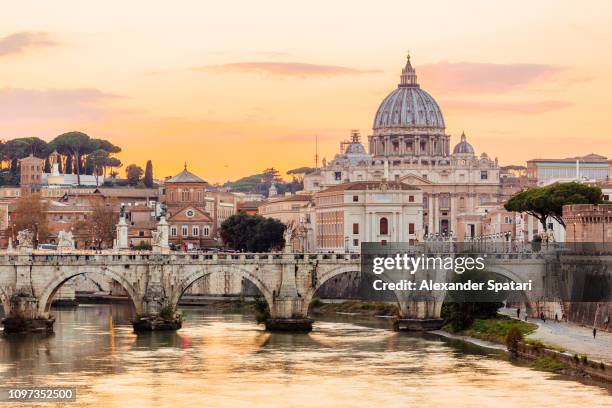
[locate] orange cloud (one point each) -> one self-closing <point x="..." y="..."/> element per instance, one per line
<point x="514" y="107"/>
<point x="485" y="77"/>
<point x="20" y="42"/>
<point x="300" y="69"/>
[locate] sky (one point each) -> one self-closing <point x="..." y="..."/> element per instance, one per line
<point x="234" y="87"/>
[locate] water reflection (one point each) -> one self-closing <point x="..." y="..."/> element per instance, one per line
<point x="227" y="360"/>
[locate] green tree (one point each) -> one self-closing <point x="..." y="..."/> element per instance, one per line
<point x="547" y="202"/>
<point x="68" y="165"/>
<point x="148" y="174"/>
<point x="75" y="144"/>
<point x="252" y="233"/>
<point x="47" y="165"/>
<point x="133" y="174"/>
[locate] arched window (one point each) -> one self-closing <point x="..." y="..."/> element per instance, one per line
<point x="384" y="226"/>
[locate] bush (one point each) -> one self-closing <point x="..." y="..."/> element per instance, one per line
<point x="316" y="302"/>
<point x="513" y="338"/>
<point x="262" y="311"/>
<point x="548" y="364"/>
<point x="167" y="312"/>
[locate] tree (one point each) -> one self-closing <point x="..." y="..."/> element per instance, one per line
<point x="31" y="214"/>
<point x="68" y="165"/>
<point x="133" y="173"/>
<point x="100" y="225"/>
<point x="547" y="202"/>
<point x="47" y="168"/>
<point x="148" y="175"/>
<point x="74" y="144"/>
<point x="98" y="160"/>
<point x="252" y="233"/>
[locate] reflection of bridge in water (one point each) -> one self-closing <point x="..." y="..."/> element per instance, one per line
<point x="155" y="282"/>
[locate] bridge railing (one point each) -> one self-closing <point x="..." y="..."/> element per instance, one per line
<point x="79" y="256"/>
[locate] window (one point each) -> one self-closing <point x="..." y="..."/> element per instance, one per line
<point x="355" y="199"/>
<point x="173" y="231"/>
<point x="411" y="199"/>
<point x="141" y="233"/>
<point x="383" y="226"/>
<point x="184" y="231"/>
<point x="195" y="231"/>
<point x="338" y="175"/>
<point x="356" y="228"/>
<point x="411" y="228"/>
<point x="484" y="175"/>
<point x="507" y="220"/>
<point x="355" y="242"/>
<point x="206" y="231"/>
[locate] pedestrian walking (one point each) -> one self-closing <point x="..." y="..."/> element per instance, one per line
<point x="518" y="312"/>
<point x="556" y="318"/>
<point x="594" y="331"/>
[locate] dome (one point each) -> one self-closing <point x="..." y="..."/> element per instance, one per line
<point x="408" y="106"/>
<point x="355" y="152"/>
<point x="463" y="146"/>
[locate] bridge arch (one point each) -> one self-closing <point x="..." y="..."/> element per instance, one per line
<point x="336" y="271"/>
<point x="206" y="270"/>
<point x="5" y="302"/>
<point x="50" y="290"/>
<point x="508" y="274"/>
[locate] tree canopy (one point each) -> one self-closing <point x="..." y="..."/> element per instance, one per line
<point x="133" y="174"/>
<point x="547" y="202"/>
<point x="252" y="233"/>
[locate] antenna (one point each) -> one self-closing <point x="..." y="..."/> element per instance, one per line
<point x="316" y="151"/>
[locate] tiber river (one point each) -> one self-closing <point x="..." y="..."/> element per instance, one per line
<point x="227" y="360"/>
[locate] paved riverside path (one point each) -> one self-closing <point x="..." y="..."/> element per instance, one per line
<point x="572" y="337"/>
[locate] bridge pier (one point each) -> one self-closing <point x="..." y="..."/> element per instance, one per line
<point x="23" y="316"/>
<point x="159" y="313"/>
<point x="288" y="311"/>
<point x="419" y="314"/>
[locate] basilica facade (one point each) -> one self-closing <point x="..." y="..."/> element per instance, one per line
<point x="409" y="145"/>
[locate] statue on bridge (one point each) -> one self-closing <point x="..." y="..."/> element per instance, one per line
<point x="65" y="240"/>
<point x="25" y="239"/>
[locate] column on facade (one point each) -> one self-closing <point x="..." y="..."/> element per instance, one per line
<point x="403" y="228"/>
<point x="436" y="210"/>
<point x="402" y="145"/>
<point x="417" y="145"/>
<point x="366" y="227"/>
<point x="453" y="213"/>
<point x="430" y="213"/>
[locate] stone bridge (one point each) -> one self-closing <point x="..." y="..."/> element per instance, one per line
<point x="155" y="282"/>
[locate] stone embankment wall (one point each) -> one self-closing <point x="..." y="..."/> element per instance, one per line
<point x="575" y="365"/>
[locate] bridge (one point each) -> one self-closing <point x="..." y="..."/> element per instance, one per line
<point x="155" y="283"/>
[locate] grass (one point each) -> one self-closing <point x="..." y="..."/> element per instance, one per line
<point x="496" y="330"/>
<point x="549" y="364"/>
<point x="354" y="306"/>
<point x="540" y="345"/>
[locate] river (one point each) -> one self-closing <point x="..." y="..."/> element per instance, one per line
<point x="227" y="360"/>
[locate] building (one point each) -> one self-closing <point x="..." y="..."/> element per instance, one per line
<point x="409" y="139"/>
<point x="248" y="207"/>
<point x="33" y="175"/>
<point x="588" y="223"/>
<point x="285" y="208"/>
<point x="591" y="167"/>
<point x="31" y="168"/>
<point x="189" y="211"/>
<point x="367" y="211"/>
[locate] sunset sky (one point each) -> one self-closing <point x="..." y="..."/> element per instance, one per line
<point x="233" y="87"/>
